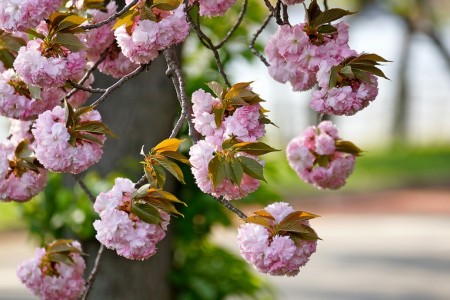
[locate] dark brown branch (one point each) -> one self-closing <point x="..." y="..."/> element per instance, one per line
<point x="93" y="274"/>
<point x="255" y="36"/>
<point x="111" y="18"/>
<point x="85" y="88"/>
<point x="231" y="207"/>
<point x="84" y="188"/>
<point x="120" y="82"/>
<point x="285" y="14"/>
<point x="236" y="25"/>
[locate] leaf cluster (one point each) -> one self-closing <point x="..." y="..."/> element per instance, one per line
<point x="228" y="165"/>
<point x="356" y="67"/>
<point x="147" y="202"/>
<point x="145" y="12"/>
<point x="319" y="21"/>
<point x="59" y="251"/>
<point x="232" y="98"/>
<point x="84" y="130"/>
<point x="24" y="160"/>
<point x="164" y="157"/>
<point x="293" y="225"/>
<point x="9" y="46"/>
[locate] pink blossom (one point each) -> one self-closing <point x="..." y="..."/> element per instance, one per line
<point x="18" y="184"/>
<point x="19" y="131"/>
<point x="47" y="72"/>
<point x="214" y="8"/>
<point x="20" y="15"/>
<point x="278" y="254"/>
<point x="116" y="64"/>
<point x="117" y="230"/>
<point x="97" y="40"/>
<point x="148" y="37"/>
<point x="295" y="57"/>
<point x="53" y="149"/>
<point x="200" y="156"/>
<point x="314" y="157"/>
<point x="66" y="283"/>
<point x="16" y="100"/>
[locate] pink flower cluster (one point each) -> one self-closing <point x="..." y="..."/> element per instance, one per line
<point x="36" y="69"/>
<point x="53" y="149"/>
<point x="200" y="156"/>
<point x="16" y="186"/>
<point x="117" y="229"/>
<point x="214" y="8"/>
<point x="347" y="98"/>
<point x="276" y="255"/>
<point x="294" y="57"/>
<point x="67" y="283"/>
<point x="314" y="157"/>
<point x="243" y="124"/>
<point x="148" y="38"/>
<point x="20" y="15"/>
<point x="116" y="64"/>
<point x="16" y="101"/>
<point x="98" y="39"/>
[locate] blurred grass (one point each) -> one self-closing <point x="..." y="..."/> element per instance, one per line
<point x="395" y="167"/>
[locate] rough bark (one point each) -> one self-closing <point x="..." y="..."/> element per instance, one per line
<point x="142" y="112"/>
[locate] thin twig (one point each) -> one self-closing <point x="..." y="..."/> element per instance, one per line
<point x="111" y="18"/>
<point x="84" y="188"/>
<point x="205" y="39"/>
<point x="325" y="4"/>
<point x="120" y="82"/>
<point x="94" y="271"/>
<point x="285" y="14"/>
<point x="235" y="27"/>
<point x="89" y="72"/>
<point x="255" y="36"/>
<point x="85" y="88"/>
<point x="231" y="207"/>
<point x="178" y="80"/>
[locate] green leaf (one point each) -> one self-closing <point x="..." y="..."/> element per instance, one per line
<point x="166" y="5"/>
<point x="330" y="15"/>
<point x="176" y="156"/>
<point x="265" y="214"/>
<point x="147" y="213"/>
<point x="304" y="232"/>
<point x="313" y="11"/>
<point x="237" y="171"/>
<point x="35" y="92"/>
<point x="347" y="147"/>
<point x="254" y="148"/>
<point x="372" y="57"/>
<point x="141" y="192"/>
<point x="228" y="143"/>
<point x="299" y="216"/>
<point x="218" y="115"/>
<point x="165" y="206"/>
<point x="347" y="72"/>
<point x="216" y="88"/>
<point x="164" y="195"/>
<point x="171" y="144"/>
<point x="370" y="69"/>
<point x="7" y="58"/>
<point x="326" y="29"/>
<point x="35" y="34"/>
<point x="93" y="127"/>
<point x="70" y="41"/>
<point x="60" y="258"/>
<point x="126" y="19"/>
<point x="170" y="166"/>
<point x="333" y="77"/>
<point x="259" y="220"/>
<point x="160" y="175"/>
<point x="88" y="137"/>
<point x="252" y="168"/>
<point x="216" y="171"/>
<point x="13" y="43"/>
<point x="69" y="23"/>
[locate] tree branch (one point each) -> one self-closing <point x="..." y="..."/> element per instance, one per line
<point x="111" y="18"/>
<point x="231" y="207"/>
<point x="236" y="25"/>
<point x="255" y="36"/>
<point x="84" y="188"/>
<point x="120" y="82"/>
<point x="93" y="274"/>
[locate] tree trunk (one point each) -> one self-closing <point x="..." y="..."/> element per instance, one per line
<point x="142" y="112"/>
